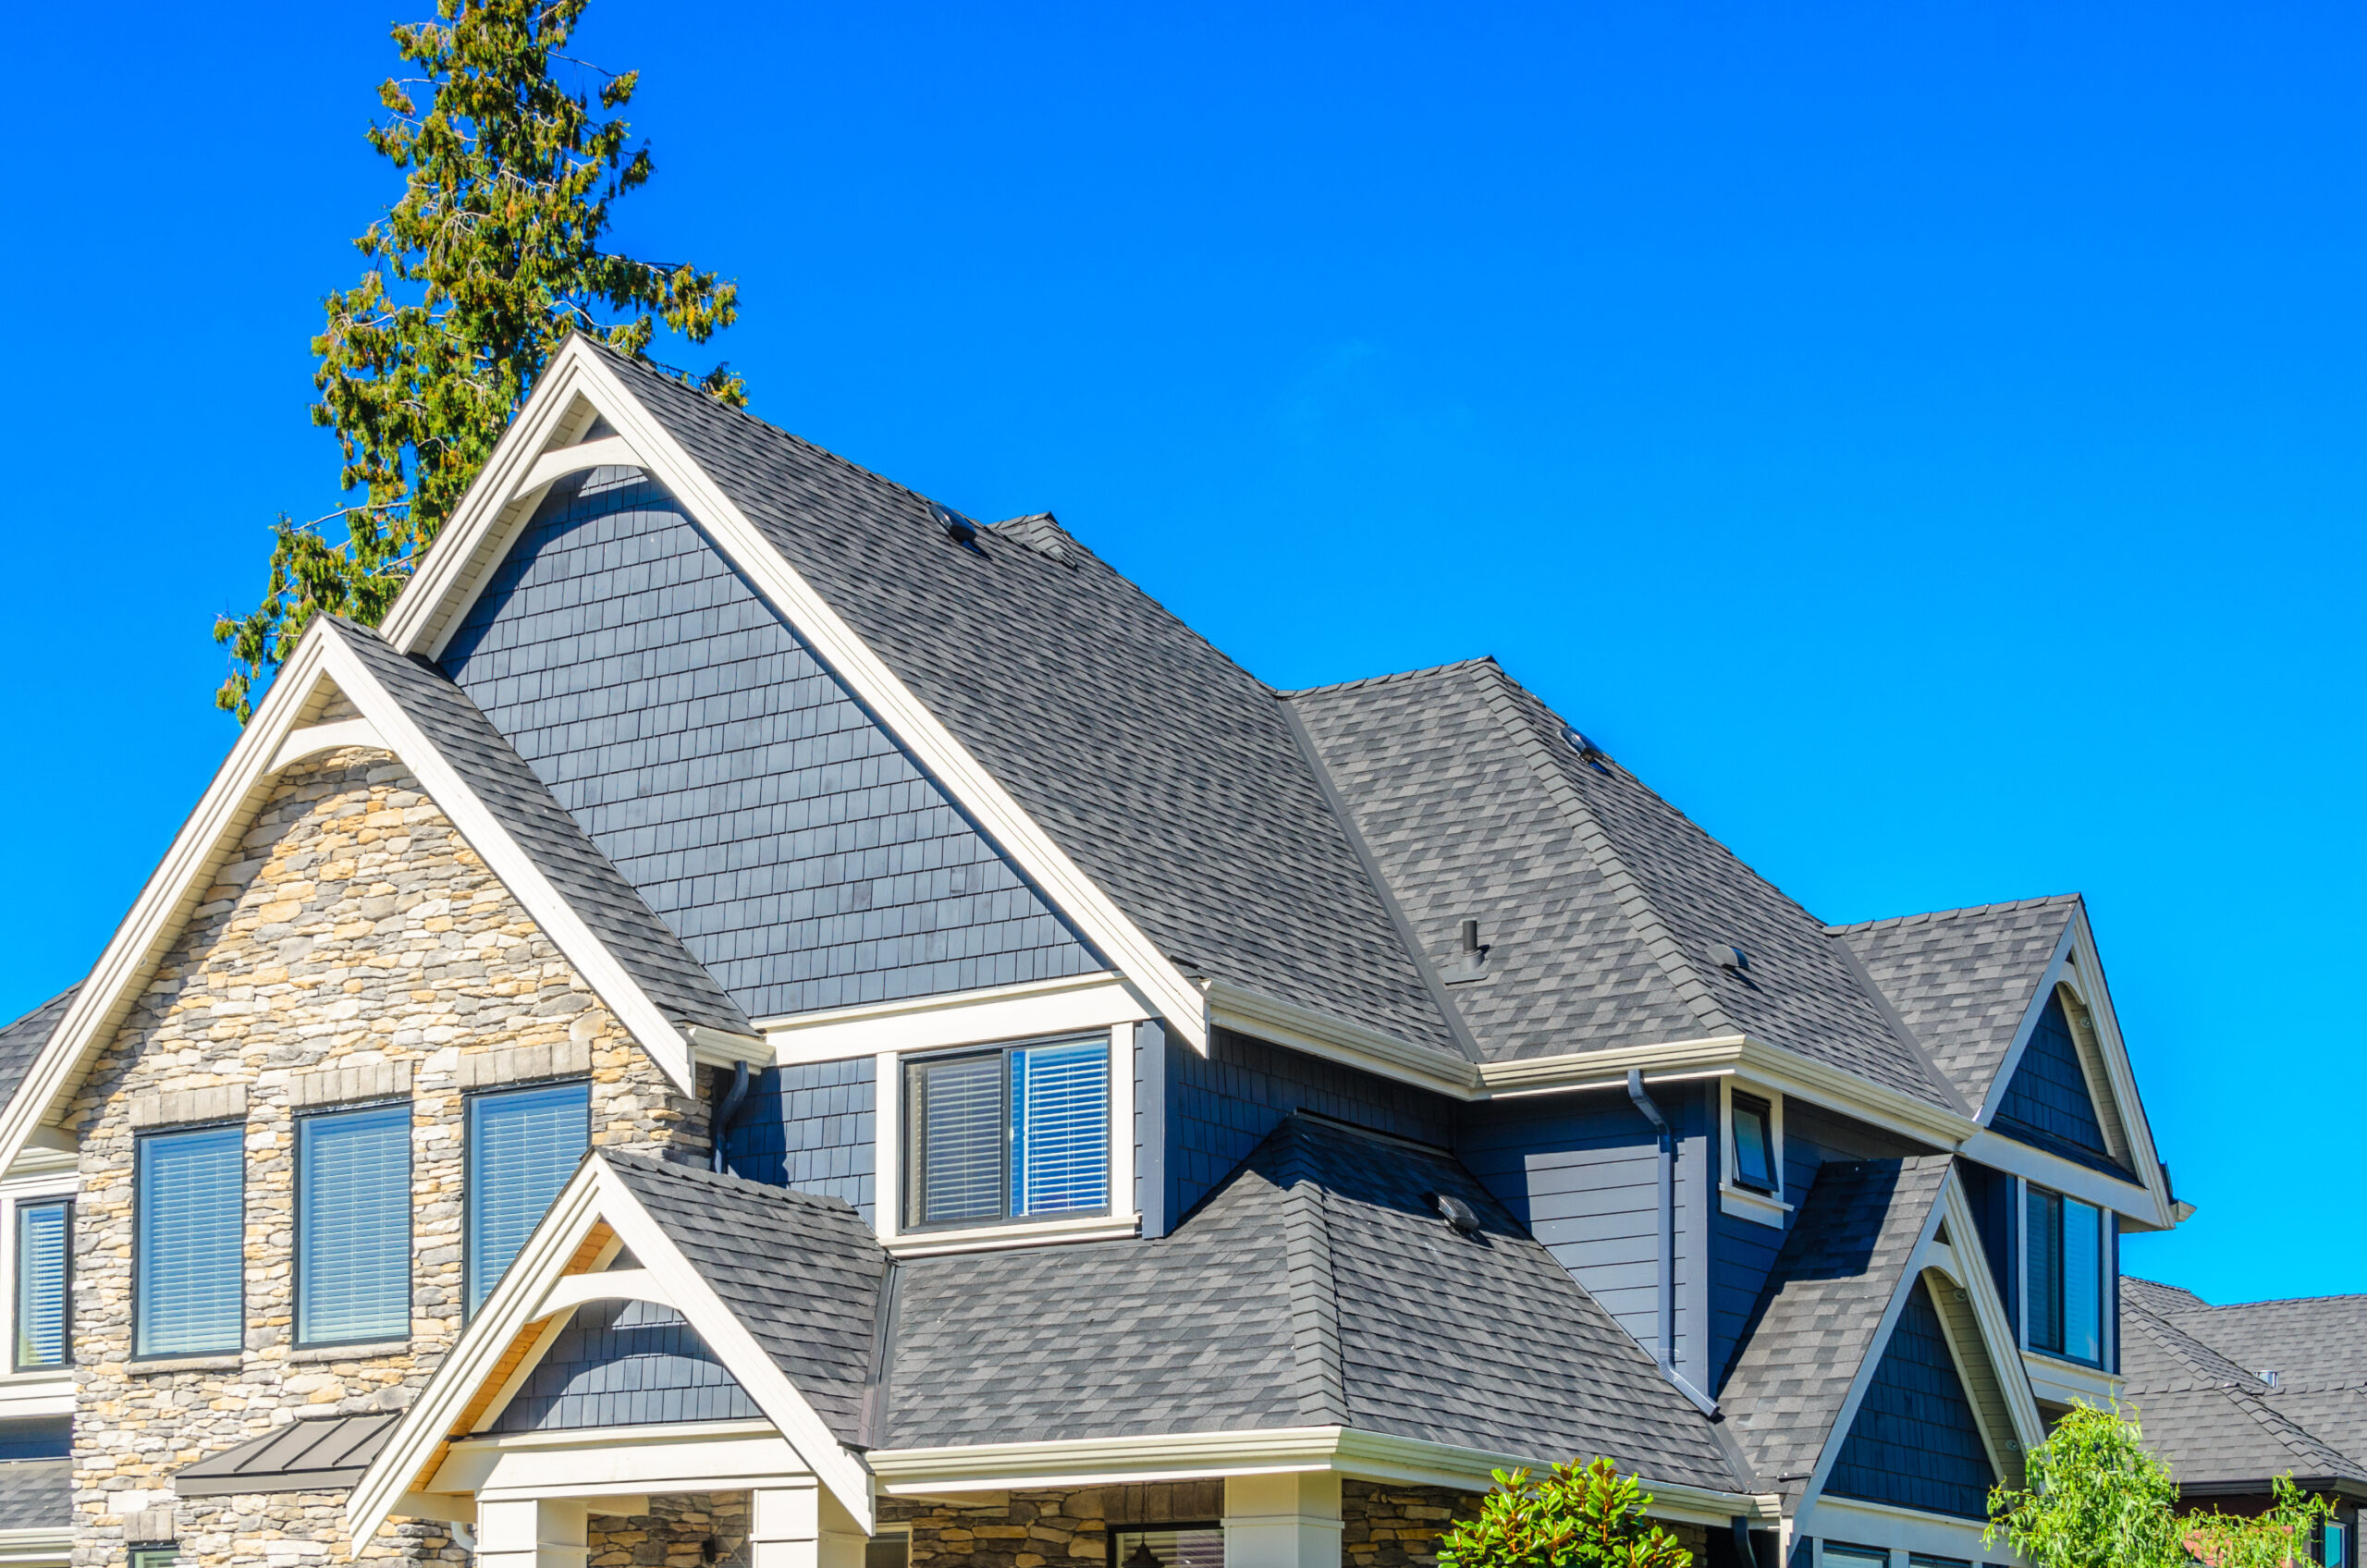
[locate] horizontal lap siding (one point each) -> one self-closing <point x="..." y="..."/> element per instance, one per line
<point x="1222" y="1106"/>
<point x="812" y="1127"/>
<point x="1583" y="1172"/>
<point x="800" y="854"/>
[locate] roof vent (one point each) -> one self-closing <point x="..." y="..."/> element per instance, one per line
<point x="1728" y="957"/>
<point x="1471" y="957"/>
<point x="959" y="529"/>
<point x="1458" y="1214"/>
<point x="1593" y="753"/>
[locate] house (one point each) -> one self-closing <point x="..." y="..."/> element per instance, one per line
<point x="2233" y="1397"/>
<point x="756" y="1020"/>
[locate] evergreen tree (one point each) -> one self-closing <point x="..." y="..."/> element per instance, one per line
<point x="490" y="258"/>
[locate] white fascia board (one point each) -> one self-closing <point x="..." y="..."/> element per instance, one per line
<point x="1997" y="1340"/>
<point x="171" y="892"/>
<point x="534" y="1290"/>
<point x="437" y="597"/>
<point x="315" y="739"/>
<point x="1085" y="1004"/>
<point x="1321" y="1033"/>
<point x="1900" y="1529"/>
<point x="917" y="1472"/>
<point x="2077" y="961"/>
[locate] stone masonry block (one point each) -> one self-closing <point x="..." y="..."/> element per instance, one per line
<point x="338" y="1085"/>
<point x="225" y="1102"/>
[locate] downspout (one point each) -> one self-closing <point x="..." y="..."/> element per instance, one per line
<point x="725" y="1109"/>
<point x="1666" y="1354"/>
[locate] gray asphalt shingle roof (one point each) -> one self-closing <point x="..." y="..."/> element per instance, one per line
<point x="37" y="1494"/>
<point x="2212" y="1358"/>
<point x="592" y="886"/>
<point x="1167" y="772"/>
<point x="1316" y="1286"/>
<point x="20" y="1042"/>
<point x="1816" y="1319"/>
<point x="1963" y="978"/>
<point x="2211" y="1418"/>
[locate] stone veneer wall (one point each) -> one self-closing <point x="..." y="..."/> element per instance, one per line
<point x="358" y="931"/>
<point x="674" y="1533"/>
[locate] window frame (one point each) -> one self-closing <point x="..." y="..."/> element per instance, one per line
<point x="909" y="1157"/>
<point x="139" y="1146"/>
<point x="469" y="1103"/>
<point x="16" y="1208"/>
<point x="1740" y="1103"/>
<point x="1117" y="1533"/>
<point x="411" y="1216"/>
<point x="2060" y="1308"/>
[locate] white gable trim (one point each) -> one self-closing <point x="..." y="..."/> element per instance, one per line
<point x="535" y="1291"/>
<point x="1959" y="1259"/>
<point x="423" y="617"/>
<point x="276" y="736"/>
<point x="2076" y="963"/>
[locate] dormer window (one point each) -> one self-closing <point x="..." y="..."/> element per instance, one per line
<point x="1016" y="1133"/>
<point x="1754" y="1151"/>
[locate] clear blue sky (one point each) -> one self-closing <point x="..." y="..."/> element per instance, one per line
<point x="1924" y="440"/>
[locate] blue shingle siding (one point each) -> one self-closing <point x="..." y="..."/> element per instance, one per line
<point x="2047" y="1103"/>
<point x="812" y="1127"/>
<point x="1222" y="1106"/>
<point x="1914" y="1443"/>
<point x="761" y="811"/>
<point x="1582" y="1171"/>
<point x="625" y="1363"/>
<point x="1994" y="1210"/>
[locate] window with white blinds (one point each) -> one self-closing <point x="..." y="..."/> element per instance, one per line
<point x="189" y="1241"/>
<point x="353" y="1225"/>
<point x="42" y="1229"/>
<point x="523" y="1144"/>
<point x="1008" y="1134"/>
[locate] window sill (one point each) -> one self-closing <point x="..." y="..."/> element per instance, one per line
<point x="365" y="1351"/>
<point x="225" y="1361"/>
<point x="1034" y="1232"/>
<point x="1743" y="1204"/>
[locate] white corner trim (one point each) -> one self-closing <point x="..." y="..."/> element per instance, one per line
<point x="570" y="1291"/>
<point x="610" y="451"/>
<point x="999" y="1238"/>
<point x="1757" y="1207"/>
<point x="1082" y="1005"/>
<point x="437" y="594"/>
<point x="315" y="739"/>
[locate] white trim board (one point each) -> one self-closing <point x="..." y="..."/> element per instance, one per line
<point x="321" y="667"/>
<point x="438" y="596"/>
<point x="532" y="1298"/>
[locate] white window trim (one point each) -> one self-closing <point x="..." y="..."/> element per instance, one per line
<point x="1741" y="1201"/>
<point x="46" y="1189"/>
<point x="888" y="1160"/>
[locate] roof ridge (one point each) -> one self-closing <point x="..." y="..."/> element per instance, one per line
<point x="2000" y="906"/>
<point x="1319" y="1372"/>
<point x="1643" y="918"/>
<point x="1392" y="677"/>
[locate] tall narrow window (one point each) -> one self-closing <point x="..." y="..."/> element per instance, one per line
<point x="523" y="1144"/>
<point x="353" y="1225"/>
<point x="2065" y="1296"/>
<point x="190" y="1239"/>
<point x="42" y="1229"/>
<point x="1754" y="1148"/>
<point x="1009" y="1133"/>
<point x="2334" y="1545"/>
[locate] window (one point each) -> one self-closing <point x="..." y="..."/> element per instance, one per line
<point x="2335" y="1540"/>
<point x="1754" y="1146"/>
<point x="42" y="1233"/>
<point x="1008" y="1134"/>
<point x="1925" y="1559"/>
<point x="2065" y="1239"/>
<point x="353" y="1225"/>
<point x="154" y="1556"/>
<point x="1170" y="1546"/>
<point x="1839" y="1554"/>
<point x="190" y="1242"/>
<point x="523" y="1144"/>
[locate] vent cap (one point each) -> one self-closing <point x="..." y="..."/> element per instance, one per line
<point x="959" y="529"/>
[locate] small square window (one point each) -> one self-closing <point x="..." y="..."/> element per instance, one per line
<point x="154" y="1556"/>
<point x="1754" y="1145"/>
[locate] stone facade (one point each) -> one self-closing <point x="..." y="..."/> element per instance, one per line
<point x="675" y="1533"/>
<point x="358" y="947"/>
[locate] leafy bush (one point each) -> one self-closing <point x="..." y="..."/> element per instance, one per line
<point x="1570" y="1518"/>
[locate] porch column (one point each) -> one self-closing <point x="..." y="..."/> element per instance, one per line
<point x="1282" y="1521"/>
<point x="532" y="1533"/>
<point x="799" y="1524"/>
